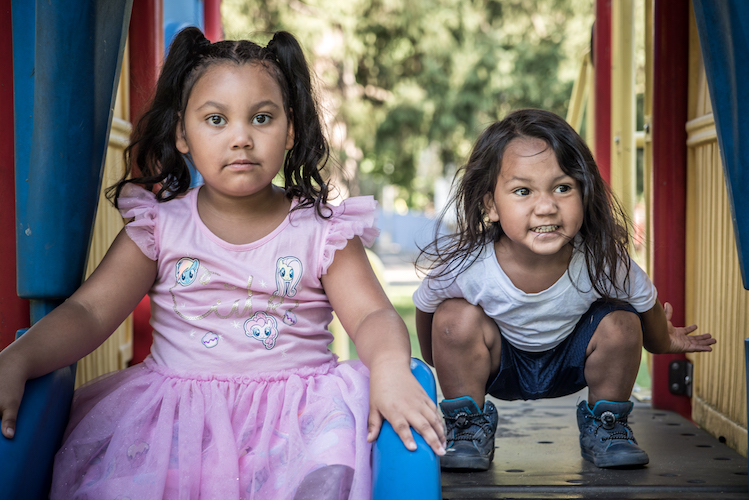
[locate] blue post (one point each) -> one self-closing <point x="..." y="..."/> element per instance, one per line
<point x="723" y="28"/>
<point x="400" y="474"/>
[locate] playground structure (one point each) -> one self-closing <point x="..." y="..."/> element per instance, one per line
<point x="695" y="125"/>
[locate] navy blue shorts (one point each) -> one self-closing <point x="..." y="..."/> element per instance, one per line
<point x="553" y="373"/>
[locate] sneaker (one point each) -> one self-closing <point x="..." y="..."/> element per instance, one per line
<point x="470" y="434"/>
<point x="605" y="438"/>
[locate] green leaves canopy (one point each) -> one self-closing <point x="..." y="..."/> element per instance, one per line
<point x="409" y="84"/>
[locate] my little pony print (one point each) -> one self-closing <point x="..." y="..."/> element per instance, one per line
<point x="187" y="270"/>
<point x="262" y="327"/>
<point x="288" y="274"/>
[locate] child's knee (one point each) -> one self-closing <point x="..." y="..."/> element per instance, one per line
<point x="332" y="482"/>
<point x="622" y="329"/>
<point x="457" y="321"/>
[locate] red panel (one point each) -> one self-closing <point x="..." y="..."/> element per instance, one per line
<point x="602" y="80"/>
<point x="14" y="312"/>
<point x="671" y="22"/>
<point x="146" y="37"/>
<point x="212" y="17"/>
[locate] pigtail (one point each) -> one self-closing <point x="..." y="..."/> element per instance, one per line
<point x="305" y="161"/>
<point x="152" y="156"/>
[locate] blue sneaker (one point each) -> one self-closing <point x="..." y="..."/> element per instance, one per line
<point x="470" y="434"/>
<point x="605" y="438"/>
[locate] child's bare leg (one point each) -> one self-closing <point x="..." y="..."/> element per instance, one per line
<point x="465" y="349"/>
<point x="613" y="357"/>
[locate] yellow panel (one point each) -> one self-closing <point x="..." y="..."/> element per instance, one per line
<point x="623" y="151"/>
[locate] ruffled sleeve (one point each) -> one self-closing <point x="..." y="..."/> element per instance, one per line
<point x="353" y="217"/>
<point x="141" y="206"/>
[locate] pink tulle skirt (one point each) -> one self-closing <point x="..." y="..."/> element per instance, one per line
<point x="148" y="432"/>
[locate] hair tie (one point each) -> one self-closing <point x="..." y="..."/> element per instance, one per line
<point x="200" y="46"/>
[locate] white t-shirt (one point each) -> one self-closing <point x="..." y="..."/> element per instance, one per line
<point x="532" y="322"/>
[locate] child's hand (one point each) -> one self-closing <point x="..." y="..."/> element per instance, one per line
<point x="11" y="392"/>
<point x="397" y="397"/>
<point x="681" y="341"/>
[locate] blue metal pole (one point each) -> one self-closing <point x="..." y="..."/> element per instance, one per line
<point x="723" y="29"/>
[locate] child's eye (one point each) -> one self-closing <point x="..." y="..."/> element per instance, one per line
<point x="563" y="188"/>
<point x="261" y="119"/>
<point x="522" y="191"/>
<point x="216" y="120"/>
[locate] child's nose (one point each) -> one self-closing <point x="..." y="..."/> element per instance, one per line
<point x="546" y="204"/>
<point x="242" y="137"/>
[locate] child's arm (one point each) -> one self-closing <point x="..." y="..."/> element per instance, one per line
<point x="381" y="340"/>
<point x="78" y="326"/>
<point x="424" y="332"/>
<point x="661" y="337"/>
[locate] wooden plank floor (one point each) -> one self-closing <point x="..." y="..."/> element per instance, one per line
<point x="537" y="456"/>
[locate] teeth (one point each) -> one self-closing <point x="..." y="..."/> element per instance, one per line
<point x="545" y="229"/>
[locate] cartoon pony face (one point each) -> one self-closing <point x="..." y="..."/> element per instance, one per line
<point x="187" y="270"/>
<point x="288" y="274"/>
<point x="262" y="327"/>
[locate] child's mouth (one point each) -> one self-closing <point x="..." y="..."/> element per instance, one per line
<point x="545" y="229"/>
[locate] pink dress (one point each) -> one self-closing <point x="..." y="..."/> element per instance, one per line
<point x="240" y="396"/>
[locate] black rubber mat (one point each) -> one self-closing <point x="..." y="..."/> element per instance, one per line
<point x="537" y="456"/>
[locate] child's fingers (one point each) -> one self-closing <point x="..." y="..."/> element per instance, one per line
<point x="374" y="426"/>
<point x="705" y="338"/>
<point x="438" y="424"/>
<point x="689" y="329"/>
<point x="433" y="435"/>
<point x="9" y="423"/>
<point x="668" y="310"/>
<point x="403" y="429"/>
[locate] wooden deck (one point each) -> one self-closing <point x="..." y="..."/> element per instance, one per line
<point x="537" y="456"/>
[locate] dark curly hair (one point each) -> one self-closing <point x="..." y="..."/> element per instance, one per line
<point x="604" y="233"/>
<point x="153" y="148"/>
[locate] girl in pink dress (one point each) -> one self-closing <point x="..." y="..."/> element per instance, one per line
<point x="240" y="396"/>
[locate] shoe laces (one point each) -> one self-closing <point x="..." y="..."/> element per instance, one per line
<point x="608" y="420"/>
<point x="464" y="421"/>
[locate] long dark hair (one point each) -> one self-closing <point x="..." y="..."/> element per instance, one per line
<point x="604" y="235"/>
<point x="153" y="148"/>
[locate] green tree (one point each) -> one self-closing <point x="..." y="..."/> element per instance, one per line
<point x="409" y="84"/>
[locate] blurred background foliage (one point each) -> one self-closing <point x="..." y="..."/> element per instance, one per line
<point x="408" y="85"/>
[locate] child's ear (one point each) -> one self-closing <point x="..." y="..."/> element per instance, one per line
<point x="290" y="130"/>
<point x="180" y="139"/>
<point x="490" y="207"/>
